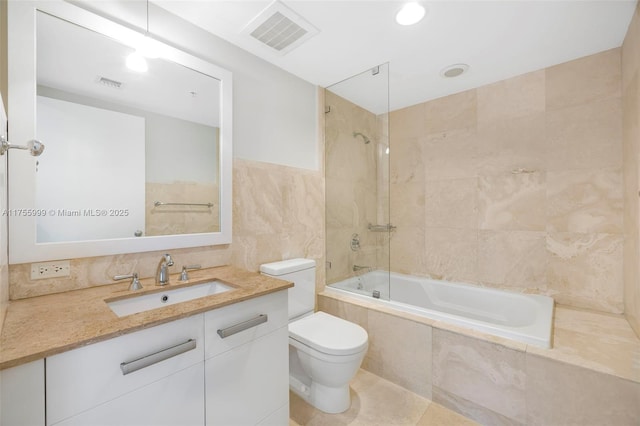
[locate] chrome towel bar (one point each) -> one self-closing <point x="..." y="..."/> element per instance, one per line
<point x="161" y="203"/>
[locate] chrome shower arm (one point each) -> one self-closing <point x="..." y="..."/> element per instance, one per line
<point x="35" y="147"/>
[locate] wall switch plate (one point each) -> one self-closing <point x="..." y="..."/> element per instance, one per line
<point x="43" y="270"/>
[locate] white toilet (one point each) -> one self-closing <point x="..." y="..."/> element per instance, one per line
<point x="325" y="351"/>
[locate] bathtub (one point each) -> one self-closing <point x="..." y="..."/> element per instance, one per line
<point x="525" y="318"/>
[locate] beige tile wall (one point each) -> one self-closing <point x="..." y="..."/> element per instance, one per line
<point x="590" y="377"/>
<point x="351" y="187"/>
<point x="278" y="213"/>
<point x="631" y="138"/>
<point x="516" y="185"/>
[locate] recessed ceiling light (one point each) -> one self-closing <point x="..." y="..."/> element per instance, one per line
<point x="137" y="62"/>
<point x="411" y="13"/>
<point x="454" y="70"/>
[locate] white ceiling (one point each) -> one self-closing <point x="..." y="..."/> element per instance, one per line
<point x="498" y="39"/>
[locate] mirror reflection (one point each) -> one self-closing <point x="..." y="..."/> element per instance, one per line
<point x="129" y="153"/>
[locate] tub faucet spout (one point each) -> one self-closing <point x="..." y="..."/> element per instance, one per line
<point x="162" y="273"/>
<point x="357" y="268"/>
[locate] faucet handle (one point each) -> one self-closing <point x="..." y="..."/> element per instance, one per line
<point x="183" y="275"/>
<point x="135" y="283"/>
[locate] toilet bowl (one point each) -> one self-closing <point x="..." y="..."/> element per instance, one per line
<point x="325" y="352"/>
<point x="329" y="352"/>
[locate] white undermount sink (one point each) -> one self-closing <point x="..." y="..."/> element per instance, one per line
<point x="146" y="302"/>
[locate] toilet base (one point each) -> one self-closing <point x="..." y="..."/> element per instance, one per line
<point x="327" y="399"/>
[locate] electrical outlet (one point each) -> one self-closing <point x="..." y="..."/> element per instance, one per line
<point x="59" y="268"/>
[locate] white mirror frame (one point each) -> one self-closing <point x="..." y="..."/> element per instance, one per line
<point x="22" y="128"/>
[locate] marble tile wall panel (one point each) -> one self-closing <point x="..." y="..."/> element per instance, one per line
<point x="448" y="155"/>
<point x="471" y="410"/>
<point x="485" y="374"/>
<point x="513" y="260"/>
<point x="450" y="254"/>
<point x="277" y="214"/>
<point x="585" y="270"/>
<point x="559" y="393"/>
<point x="545" y="152"/>
<point x="512" y="202"/>
<point x="516" y="97"/>
<point x="388" y="355"/>
<point x="631" y="141"/>
<point x="587" y="200"/>
<point x="512" y="145"/>
<point x="355" y="185"/>
<point x="584" y="80"/>
<point x="585" y="136"/>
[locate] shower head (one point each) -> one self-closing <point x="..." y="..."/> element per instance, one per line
<point x="35" y="147"/>
<point x="364" y="138"/>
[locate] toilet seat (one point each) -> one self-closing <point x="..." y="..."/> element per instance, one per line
<point x="329" y="334"/>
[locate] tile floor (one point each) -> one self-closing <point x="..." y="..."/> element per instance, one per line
<point x="375" y="401"/>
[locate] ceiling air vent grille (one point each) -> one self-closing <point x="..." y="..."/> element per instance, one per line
<point x="280" y="28"/>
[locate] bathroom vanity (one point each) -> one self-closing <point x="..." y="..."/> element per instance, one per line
<point x="220" y="359"/>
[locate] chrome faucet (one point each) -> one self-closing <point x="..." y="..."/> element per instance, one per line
<point x="162" y="274"/>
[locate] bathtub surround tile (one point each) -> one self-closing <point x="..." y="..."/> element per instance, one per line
<point x="588" y="201"/>
<point x="483" y="373"/>
<point x="450" y="203"/>
<point x="408" y="200"/>
<point x="451" y="254"/>
<point x="409" y="369"/>
<point x="405" y="160"/>
<point x="585" y="270"/>
<point x="513" y="201"/>
<point x="450" y="155"/>
<point x="631" y="51"/>
<point x="587" y="79"/>
<point x="457" y="111"/>
<point x="348" y="311"/>
<point x="585" y="136"/>
<point x="512" y="145"/>
<point x="513" y="260"/>
<point x="515" y="97"/>
<point x="408" y="254"/>
<point x="594" y="340"/>
<point x="408" y="122"/>
<point x="559" y="393"/>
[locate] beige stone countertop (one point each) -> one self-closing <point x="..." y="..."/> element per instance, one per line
<point x="42" y="326"/>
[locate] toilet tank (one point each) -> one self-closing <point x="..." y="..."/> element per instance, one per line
<point x="302" y="272"/>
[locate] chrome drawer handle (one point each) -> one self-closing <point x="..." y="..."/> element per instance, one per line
<point x="154" y="358"/>
<point x="237" y="328"/>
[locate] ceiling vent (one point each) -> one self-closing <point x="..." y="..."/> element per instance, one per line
<point x="280" y="28"/>
<point x="109" y="83"/>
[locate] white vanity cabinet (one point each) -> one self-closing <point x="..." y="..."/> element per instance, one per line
<point x="225" y="367"/>
<point x="247" y="362"/>
<point x="149" y="377"/>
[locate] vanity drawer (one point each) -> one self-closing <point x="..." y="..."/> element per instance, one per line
<point x="244" y="321"/>
<point x="86" y="377"/>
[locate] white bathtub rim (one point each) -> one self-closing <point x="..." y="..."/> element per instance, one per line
<point x="539" y="334"/>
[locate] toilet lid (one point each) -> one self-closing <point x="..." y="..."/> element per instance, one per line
<point x="328" y="334"/>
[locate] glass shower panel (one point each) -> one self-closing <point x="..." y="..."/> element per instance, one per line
<point x="357" y="183"/>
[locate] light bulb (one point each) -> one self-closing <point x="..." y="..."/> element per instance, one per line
<point x="411" y="13"/>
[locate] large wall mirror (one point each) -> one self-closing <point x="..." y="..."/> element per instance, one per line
<point x="135" y="160"/>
